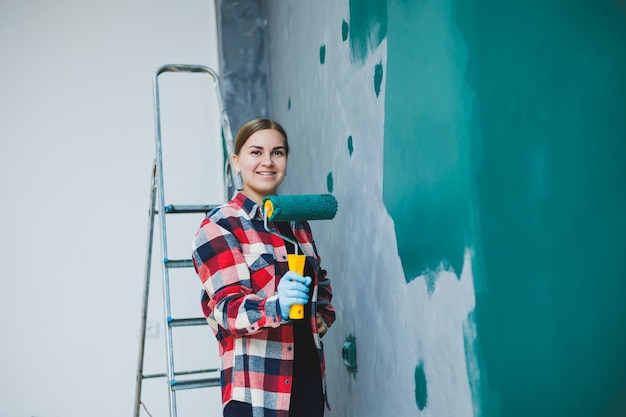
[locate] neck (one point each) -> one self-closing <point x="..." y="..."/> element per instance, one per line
<point x="257" y="198"/>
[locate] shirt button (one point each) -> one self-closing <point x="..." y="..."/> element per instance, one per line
<point x="289" y="348"/>
<point x="284" y="257"/>
<point x="287" y="382"/>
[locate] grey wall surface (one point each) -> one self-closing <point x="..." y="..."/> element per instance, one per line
<point x="242" y="33"/>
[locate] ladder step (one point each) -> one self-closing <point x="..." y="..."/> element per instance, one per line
<point x="194" y="372"/>
<point x="198" y="208"/>
<point x="199" y="321"/>
<point x="178" y="263"/>
<point x="195" y="383"/>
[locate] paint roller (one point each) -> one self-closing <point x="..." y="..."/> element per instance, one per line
<point x="297" y="208"/>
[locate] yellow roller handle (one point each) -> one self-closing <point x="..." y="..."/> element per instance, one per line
<point x="296" y="264"/>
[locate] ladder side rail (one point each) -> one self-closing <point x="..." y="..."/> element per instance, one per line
<point x="146" y="293"/>
<point x="164" y="252"/>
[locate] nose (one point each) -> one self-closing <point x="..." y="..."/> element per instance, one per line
<point x="267" y="160"/>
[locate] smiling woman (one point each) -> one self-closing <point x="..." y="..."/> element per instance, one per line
<point x="269" y="363"/>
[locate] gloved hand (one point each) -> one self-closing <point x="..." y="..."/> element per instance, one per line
<point x="293" y="289"/>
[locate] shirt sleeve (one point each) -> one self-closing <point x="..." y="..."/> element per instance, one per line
<point x="324" y="289"/>
<point x="225" y="276"/>
<point x="324" y="297"/>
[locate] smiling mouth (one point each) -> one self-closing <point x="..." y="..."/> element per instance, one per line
<point x="266" y="174"/>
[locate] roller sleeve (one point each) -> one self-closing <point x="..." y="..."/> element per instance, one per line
<point x="300" y="207"/>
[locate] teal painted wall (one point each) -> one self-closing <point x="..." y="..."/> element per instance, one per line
<point x="505" y="132"/>
<point x="476" y="150"/>
<point x="428" y="112"/>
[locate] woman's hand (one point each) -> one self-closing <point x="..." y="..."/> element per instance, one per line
<point x="293" y="289"/>
<point x="321" y="325"/>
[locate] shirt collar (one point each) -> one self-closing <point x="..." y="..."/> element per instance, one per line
<point x="253" y="209"/>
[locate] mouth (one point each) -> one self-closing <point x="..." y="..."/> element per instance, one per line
<point x="266" y="173"/>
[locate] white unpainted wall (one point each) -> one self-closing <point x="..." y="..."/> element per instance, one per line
<point x="76" y="151"/>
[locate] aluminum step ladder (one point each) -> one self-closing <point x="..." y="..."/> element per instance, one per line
<point x="206" y="377"/>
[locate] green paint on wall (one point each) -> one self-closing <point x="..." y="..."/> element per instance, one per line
<point x="550" y="187"/>
<point x="368" y="27"/>
<point x="430" y="278"/>
<point x="322" y="54"/>
<point x="504" y="132"/>
<point x="289" y="103"/>
<point x="344" y="30"/>
<point x="426" y="176"/>
<point x="378" y="77"/>
<point x="472" y="361"/>
<point x="421" y="387"/>
<point x="350" y="145"/>
<point x="329" y="182"/>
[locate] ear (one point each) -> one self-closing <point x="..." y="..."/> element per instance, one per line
<point x="236" y="163"/>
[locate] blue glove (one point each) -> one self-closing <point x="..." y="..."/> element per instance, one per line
<point x="293" y="289"/>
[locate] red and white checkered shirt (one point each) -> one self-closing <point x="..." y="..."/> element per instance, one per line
<point x="240" y="265"/>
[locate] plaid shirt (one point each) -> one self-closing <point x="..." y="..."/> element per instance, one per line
<point x="240" y="265"/>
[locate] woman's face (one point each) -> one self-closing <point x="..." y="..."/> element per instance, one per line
<point x="262" y="162"/>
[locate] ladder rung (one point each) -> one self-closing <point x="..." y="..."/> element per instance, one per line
<point x="198" y="208"/>
<point x="194" y="372"/>
<point x="178" y="263"/>
<point x="195" y="383"/>
<point x="200" y="321"/>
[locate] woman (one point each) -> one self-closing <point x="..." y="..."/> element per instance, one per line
<point x="270" y="365"/>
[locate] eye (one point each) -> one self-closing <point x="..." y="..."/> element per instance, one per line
<point x="255" y="152"/>
<point x="278" y="152"/>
